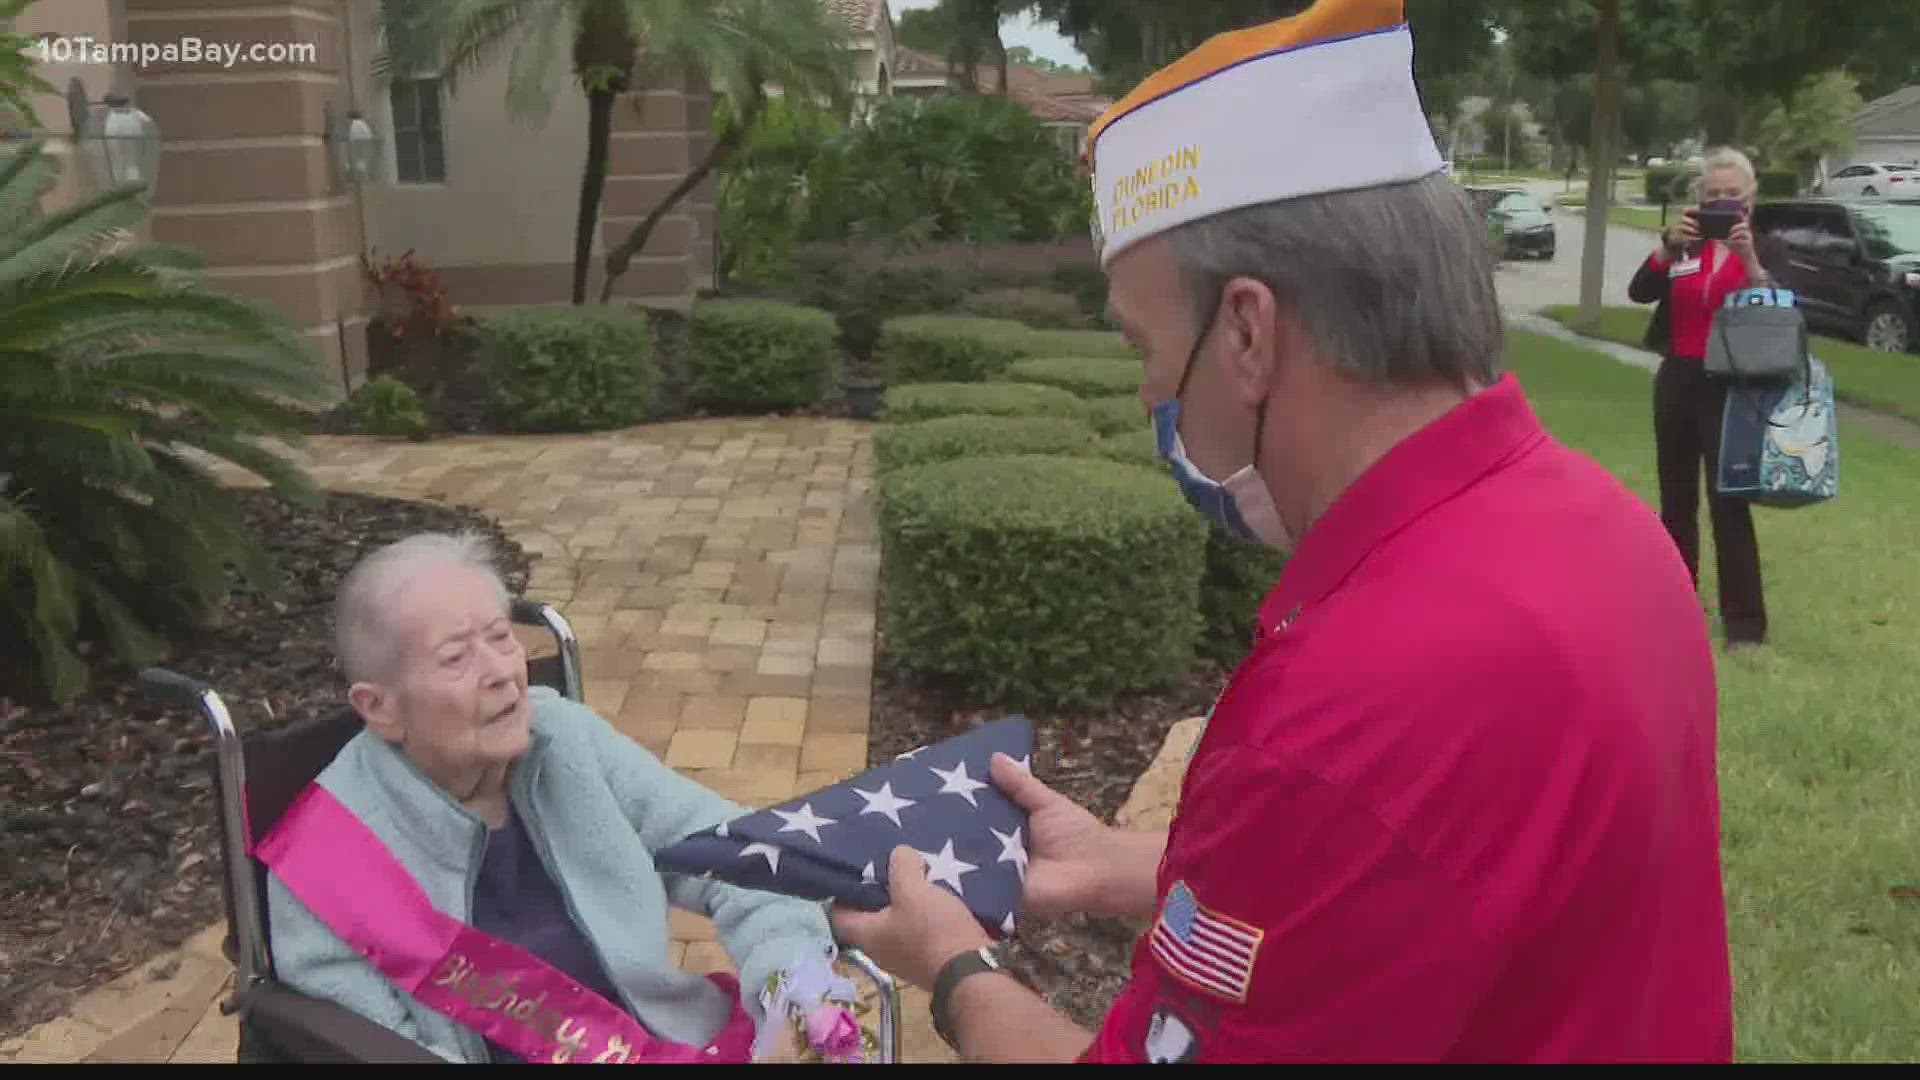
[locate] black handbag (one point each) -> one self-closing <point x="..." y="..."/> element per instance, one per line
<point x="1759" y="335"/>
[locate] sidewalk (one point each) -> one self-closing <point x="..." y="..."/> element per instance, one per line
<point x="721" y="575"/>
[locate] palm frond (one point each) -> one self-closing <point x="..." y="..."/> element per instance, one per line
<point x="75" y="234"/>
<point x="535" y="61"/>
<point x="27" y="176"/>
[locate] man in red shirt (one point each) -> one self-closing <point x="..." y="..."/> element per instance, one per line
<point x="1459" y="801"/>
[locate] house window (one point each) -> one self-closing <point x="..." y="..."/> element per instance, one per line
<point x="419" y="153"/>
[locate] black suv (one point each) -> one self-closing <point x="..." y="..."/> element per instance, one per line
<point x="1855" y="266"/>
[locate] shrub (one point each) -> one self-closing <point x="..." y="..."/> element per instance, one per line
<point x="1135" y="448"/>
<point x="1238" y="576"/>
<point x="926" y="401"/>
<point x="1038" y="582"/>
<point x="386" y="406"/>
<point x="949" y="348"/>
<point x="1779" y="183"/>
<point x="1087" y="377"/>
<point x="963" y="436"/>
<point x="758" y="354"/>
<point x="967" y="348"/>
<point x="121" y="376"/>
<point x="1118" y="415"/>
<point x="567" y="368"/>
<point x="1087" y="284"/>
<point x="1093" y="343"/>
<point x="1037" y="308"/>
<point x="1669" y="184"/>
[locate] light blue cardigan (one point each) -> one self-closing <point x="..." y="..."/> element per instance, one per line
<point x="598" y="804"/>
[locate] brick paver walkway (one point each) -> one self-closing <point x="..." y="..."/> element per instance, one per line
<point x="721" y="577"/>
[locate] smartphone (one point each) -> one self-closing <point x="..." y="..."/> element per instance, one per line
<point x="1716" y="224"/>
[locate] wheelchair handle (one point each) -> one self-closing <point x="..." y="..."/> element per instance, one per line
<point x="174" y="688"/>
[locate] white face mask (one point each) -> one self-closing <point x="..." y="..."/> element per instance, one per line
<point x="1240" y="504"/>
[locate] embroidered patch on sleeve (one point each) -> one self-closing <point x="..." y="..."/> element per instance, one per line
<point x="1208" y="951"/>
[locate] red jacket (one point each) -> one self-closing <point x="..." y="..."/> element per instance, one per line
<point x="1696" y="287"/>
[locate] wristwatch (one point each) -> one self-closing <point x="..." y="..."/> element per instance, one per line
<point x="985" y="959"/>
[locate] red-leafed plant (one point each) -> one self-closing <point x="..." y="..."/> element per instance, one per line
<point x="421" y="307"/>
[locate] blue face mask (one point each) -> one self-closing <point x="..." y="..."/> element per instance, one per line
<point x="1241" y="504"/>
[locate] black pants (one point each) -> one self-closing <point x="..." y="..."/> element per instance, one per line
<point x="1687" y="407"/>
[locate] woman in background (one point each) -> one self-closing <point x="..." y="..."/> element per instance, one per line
<point x="1689" y="276"/>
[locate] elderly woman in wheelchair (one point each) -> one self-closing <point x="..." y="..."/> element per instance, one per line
<point x="473" y="872"/>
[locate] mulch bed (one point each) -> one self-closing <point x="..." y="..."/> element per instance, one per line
<point x="107" y="823"/>
<point x="1079" y="963"/>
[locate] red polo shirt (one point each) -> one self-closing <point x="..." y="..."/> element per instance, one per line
<point x="1459" y="801"/>
<point x="1699" y="285"/>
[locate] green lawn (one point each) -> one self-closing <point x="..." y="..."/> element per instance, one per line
<point x="1820" y="779"/>
<point x="1635" y="217"/>
<point x="1889" y="382"/>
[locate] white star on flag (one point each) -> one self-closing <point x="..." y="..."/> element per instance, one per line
<point x="721" y="832"/>
<point x="885" y="802"/>
<point x="804" y="821"/>
<point x="946" y="868"/>
<point x="866" y="876"/>
<point x="1013" y="850"/>
<point x="772" y="853"/>
<point x="909" y="754"/>
<point x="958" y="783"/>
<point x="1006" y="925"/>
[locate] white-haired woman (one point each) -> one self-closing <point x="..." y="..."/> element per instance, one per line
<point x="474" y="869"/>
<point x="1689" y="276"/>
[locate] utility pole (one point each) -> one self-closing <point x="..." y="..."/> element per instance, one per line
<point x="1600" y="166"/>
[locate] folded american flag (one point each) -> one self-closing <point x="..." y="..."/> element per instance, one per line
<point x="833" y="844"/>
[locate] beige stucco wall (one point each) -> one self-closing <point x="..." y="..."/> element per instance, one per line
<point x="100" y="20"/>
<point x="512" y="190"/>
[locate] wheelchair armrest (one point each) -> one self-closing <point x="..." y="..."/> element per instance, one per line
<point x="311" y="1030"/>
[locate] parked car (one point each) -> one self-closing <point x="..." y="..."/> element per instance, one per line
<point x="1884" y="179"/>
<point x="1855" y="265"/>
<point x="1523" y="222"/>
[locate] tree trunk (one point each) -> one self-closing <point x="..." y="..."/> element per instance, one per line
<point x="1000" y="50"/>
<point x="622" y="255"/>
<point x="1601" y="164"/>
<point x="593" y="183"/>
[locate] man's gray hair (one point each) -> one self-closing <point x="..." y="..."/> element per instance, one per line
<point x="363" y="630"/>
<point x="1392" y="284"/>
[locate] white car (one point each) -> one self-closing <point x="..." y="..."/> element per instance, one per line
<point x="1871" y="179"/>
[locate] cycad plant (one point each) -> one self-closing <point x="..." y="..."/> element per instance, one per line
<point x="121" y="381"/>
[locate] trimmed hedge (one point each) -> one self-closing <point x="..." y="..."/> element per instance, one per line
<point x="1087" y="377"/>
<point x="1118" y="415"/>
<point x="949" y="348"/>
<point x="1038" y="308"/>
<point x="1097" y="343"/>
<point x="968" y="348"/>
<point x="1135" y="448"/>
<point x="758" y="354"/>
<point x="926" y="401"/>
<point x="1040" y="582"/>
<point x="949" y="437"/>
<point x="567" y="368"/>
<point x="1238" y="577"/>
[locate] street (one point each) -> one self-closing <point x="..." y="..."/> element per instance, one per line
<point x="1529" y="285"/>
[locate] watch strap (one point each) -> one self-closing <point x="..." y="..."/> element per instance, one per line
<point x="969" y="963"/>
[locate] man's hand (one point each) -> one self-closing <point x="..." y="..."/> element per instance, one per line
<point x="1740" y="239"/>
<point x="921" y="928"/>
<point x="1076" y="864"/>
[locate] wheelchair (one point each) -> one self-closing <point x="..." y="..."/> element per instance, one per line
<point x="255" y="778"/>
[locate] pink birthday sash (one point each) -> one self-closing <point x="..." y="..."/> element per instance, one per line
<point x="342" y="872"/>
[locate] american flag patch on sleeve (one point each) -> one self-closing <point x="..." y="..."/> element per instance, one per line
<point x="1207" y="951"/>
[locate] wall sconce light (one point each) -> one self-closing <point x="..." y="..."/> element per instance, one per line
<point x="118" y="143"/>
<point x="354" y="146"/>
